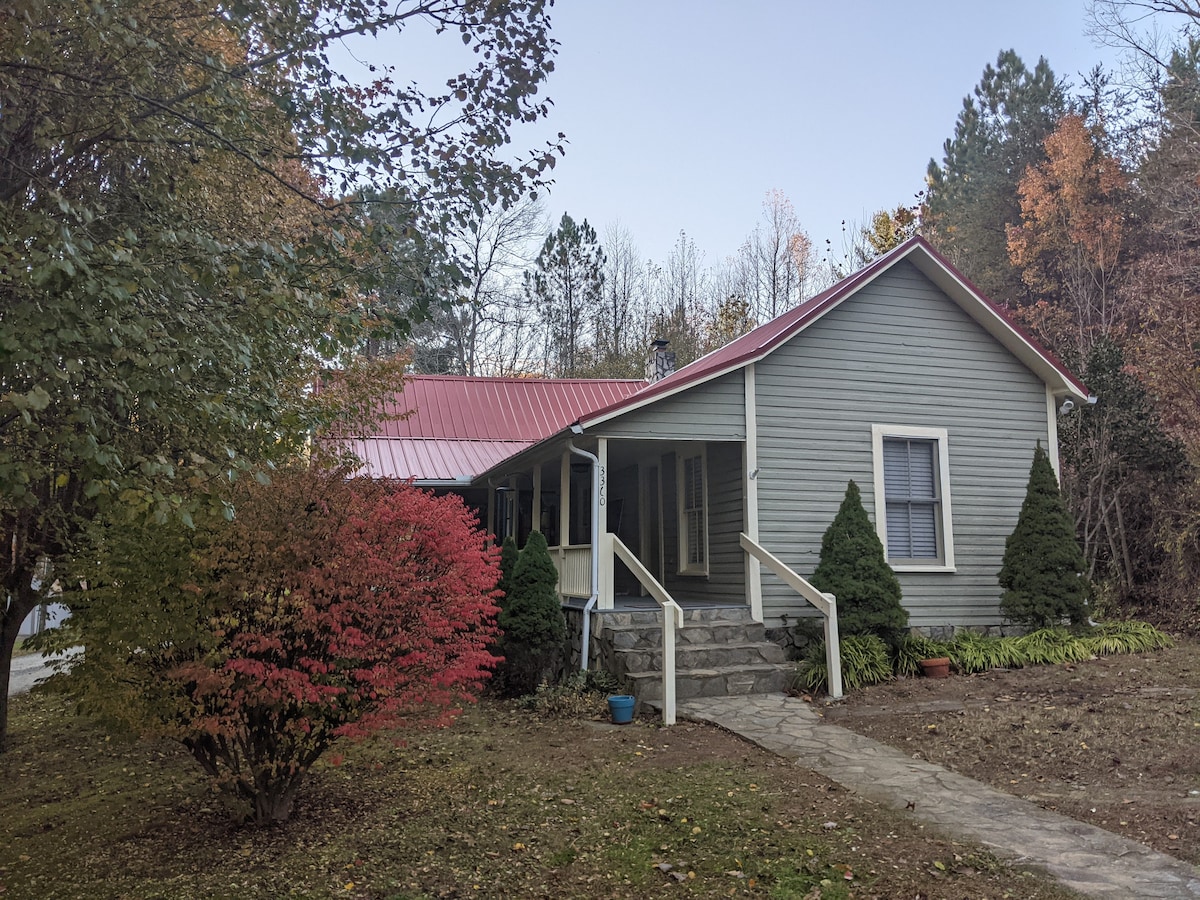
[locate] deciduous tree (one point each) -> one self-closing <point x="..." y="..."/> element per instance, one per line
<point x="175" y="252"/>
<point x="328" y="608"/>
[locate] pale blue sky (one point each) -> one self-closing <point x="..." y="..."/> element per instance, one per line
<point x="683" y="114"/>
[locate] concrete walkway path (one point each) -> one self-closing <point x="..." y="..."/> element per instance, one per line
<point x="1087" y="859"/>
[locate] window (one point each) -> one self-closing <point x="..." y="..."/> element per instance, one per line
<point x="693" y="516"/>
<point x="912" y="497"/>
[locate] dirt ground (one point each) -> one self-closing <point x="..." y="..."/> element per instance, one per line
<point x="1113" y="741"/>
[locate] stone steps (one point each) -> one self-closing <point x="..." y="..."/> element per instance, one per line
<point x="719" y="651"/>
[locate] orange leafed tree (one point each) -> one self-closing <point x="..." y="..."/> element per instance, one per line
<point x="1069" y="244"/>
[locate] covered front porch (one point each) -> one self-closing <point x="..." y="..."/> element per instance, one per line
<point x="678" y="508"/>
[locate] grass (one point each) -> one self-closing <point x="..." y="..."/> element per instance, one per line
<point x="504" y="804"/>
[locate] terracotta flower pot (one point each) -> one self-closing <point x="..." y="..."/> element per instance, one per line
<point x="936" y="668"/>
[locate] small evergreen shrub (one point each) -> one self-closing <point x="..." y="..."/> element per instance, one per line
<point x="509" y="554"/>
<point x="865" y="661"/>
<point x="532" y="620"/>
<point x="854" y="569"/>
<point x="915" y="647"/>
<point x="1042" y="573"/>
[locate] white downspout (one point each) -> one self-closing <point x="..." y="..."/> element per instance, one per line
<point x="591" y="604"/>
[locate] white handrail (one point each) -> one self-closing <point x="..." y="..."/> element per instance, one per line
<point x="826" y="603"/>
<point x="672" y="618"/>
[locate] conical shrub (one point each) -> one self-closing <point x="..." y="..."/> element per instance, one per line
<point x="1042" y="574"/>
<point x="854" y="569"/>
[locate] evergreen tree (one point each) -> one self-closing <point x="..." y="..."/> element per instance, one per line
<point x="854" y="569"/>
<point x="532" y="619"/>
<point x="509" y="554"/>
<point x="1042" y="574"/>
<point x="973" y="193"/>
<point x="566" y="285"/>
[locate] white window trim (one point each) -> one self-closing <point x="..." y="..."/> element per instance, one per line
<point x="940" y="435"/>
<point x="681" y="516"/>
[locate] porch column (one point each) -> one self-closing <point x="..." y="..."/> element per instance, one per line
<point x="491" y="516"/>
<point x="750" y="472"/>
<point x="513" y="503"/>
<point x="564" y="510"/>
<point x="536" y="515"/>
<point x="604" y="547"/>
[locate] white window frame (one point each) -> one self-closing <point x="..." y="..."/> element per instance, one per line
<point x="681" y="457"/>
<point x="942" y="439"/>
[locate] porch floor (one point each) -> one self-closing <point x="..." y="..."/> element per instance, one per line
<point x="627" y="602"/>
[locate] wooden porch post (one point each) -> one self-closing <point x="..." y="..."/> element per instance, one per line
<point x="605" y="589"/>
<point x="750" y="472"/>
<point x="564" y="510"/>
<point x="536" y="515"/>
<point x="491" y="515"/>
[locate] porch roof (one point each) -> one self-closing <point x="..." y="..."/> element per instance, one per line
<point x="458" y="427"/>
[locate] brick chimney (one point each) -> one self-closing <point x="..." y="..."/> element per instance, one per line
<point x="661" y="362"/>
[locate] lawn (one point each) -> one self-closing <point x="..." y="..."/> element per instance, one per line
<point x="506" y="803"/>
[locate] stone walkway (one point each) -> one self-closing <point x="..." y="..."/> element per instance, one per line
<point x="1087" y="859"/>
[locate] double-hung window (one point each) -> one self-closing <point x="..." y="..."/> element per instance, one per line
<point x="912" y="497"/>
<point x="693" y="515"/>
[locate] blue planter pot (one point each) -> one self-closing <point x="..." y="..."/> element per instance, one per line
<point x="620" y="706"/>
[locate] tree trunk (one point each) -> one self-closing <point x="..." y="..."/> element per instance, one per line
<point x="20" y="604"/>
<point x="274" y="805"/>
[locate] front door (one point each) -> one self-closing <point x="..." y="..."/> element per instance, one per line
<point x="650" y="529"/>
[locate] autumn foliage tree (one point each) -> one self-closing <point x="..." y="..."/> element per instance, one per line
<point x="329" y="608"/>
<point x="182" y="235"/>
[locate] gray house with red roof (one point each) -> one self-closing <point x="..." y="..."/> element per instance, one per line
<point x="902" y="377"/>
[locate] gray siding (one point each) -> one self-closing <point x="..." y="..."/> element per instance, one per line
<point x="897" y="353"/>
<point x="714" y="410"/>
<point x="726" y="566"/>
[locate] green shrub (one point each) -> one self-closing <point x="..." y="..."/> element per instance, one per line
<point x="509" y="555"/>
<point x="1042" y="574"/>
<point x="1124" y="637"/>
<point x="915" y="647"/>
<point x="532" y="620"/>
<point x="865" y="661"/>
<point x="973" y="652"/>
<point x="854" y="569"/>
<point x="1052" y="646"/>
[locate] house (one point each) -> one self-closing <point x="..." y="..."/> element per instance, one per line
<point x="719" y="479"/>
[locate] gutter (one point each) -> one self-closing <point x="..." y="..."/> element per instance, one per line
<point x="591" y="604"/>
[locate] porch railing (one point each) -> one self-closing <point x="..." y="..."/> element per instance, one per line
<point x="574" y="564"/>
<point x="826" y="603"/>
<point x="672" y="618"/>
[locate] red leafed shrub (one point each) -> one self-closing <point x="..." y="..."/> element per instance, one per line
<point x="328" y="608"/>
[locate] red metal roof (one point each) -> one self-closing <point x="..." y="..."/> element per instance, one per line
<point x="428" y="459"/>
<point x="756" y="344"/>
<point x="451" y="407"/>
<point x="461" y="426"/>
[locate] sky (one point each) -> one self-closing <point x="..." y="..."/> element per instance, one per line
<point x="681" y="115"/>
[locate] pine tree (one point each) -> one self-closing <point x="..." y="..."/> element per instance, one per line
<point x="532" y="619"/>
<point x="973" y="193"/>
<point x="854" y="569"/>
<point x="1042" y="573"/>
<point x="566" y="286"/>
